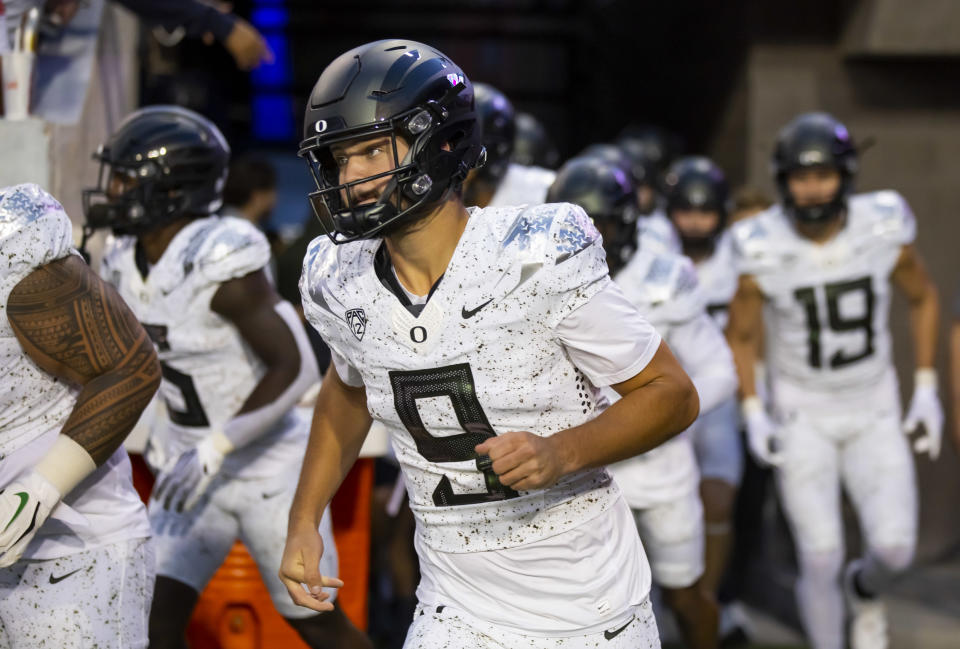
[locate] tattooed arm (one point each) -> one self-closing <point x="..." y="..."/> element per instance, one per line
<point x="77" y="328"/>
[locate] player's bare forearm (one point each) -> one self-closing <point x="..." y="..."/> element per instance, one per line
<point x="657" y="404"/>
<point x="248" y="303"/>
<point x="744" y="332"/>
<point x="77" y="328"/>
<point x="910" y="275"/>
<point x="340" y="424"/>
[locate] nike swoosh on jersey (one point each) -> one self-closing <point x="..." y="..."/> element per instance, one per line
<point x="22" y="495"/>
<point x="268" y="496"/>
<point x="469" y="313"/>
<point x="57" y="580"/>
<point x="610" y="635"/>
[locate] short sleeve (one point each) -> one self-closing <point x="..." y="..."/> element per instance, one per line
<point x="607" y="338"/>
<point x="34" y="230"/>
<point x="234" y="249"/>
<point x="347" y="372"/>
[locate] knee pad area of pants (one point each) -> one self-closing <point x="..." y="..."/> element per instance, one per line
<point x="893" y="558"/>
<point x="822" y="566"/>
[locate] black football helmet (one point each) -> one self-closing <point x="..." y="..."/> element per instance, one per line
<point x="169" y="161"/>
<point x="815" y="140"/>
<point x="532" y="145"/>
<point x="498" y="126"/>
<point x="396" y="88"/>
<point x="696" y="182"/>
<point x="606" y="193"/>
<point x="651" y="149"/>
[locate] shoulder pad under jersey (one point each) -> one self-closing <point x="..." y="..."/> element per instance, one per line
<point x="34" y="229"/>
<point x="669" y="291"/>
<point x="226" y="249"/>
<point x="552" y="232"/>
<point x="888" y="215"/>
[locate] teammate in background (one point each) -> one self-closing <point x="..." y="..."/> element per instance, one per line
<point x="697" y="202"/>
<point x="748" y="201"/>
<point x="532" y="146"/>
<point x="816" y="270"/>
<point x="250" y="193"/>
<point x="661" y="486"/>
<point x="76" y="371"/>
<point x="651" y="150"/>
<point x="654" y="230"/>
<point x="251" y="190"/>
<point x="500" y="182"/>
<point x="235" y="360"/>
<point x="462" y="331"/>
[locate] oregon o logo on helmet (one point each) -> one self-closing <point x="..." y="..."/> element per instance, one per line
<point x="320" y="126"/>
<point x="418" y="334"/>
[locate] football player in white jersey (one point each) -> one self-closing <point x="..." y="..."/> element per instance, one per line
<point x="532" y="145"/>
<point x="76" y="371"/>
<point x="697" y="198"/>
<point x="817" y="271"/>
<point x="655" y="232"/>
<point x="661" y="486"/>
<point x="478" y="338"/>
<point x="235" y="360"/>
<point x="501" y="182"/>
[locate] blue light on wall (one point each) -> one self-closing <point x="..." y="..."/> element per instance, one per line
<point x="272" y="104"/>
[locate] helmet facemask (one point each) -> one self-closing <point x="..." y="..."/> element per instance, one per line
<point x="142" y="203"/>
<point x="433" y="167"/>
<point x="823" y="212"/>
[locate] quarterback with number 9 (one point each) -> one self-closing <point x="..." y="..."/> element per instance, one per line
<point x="818" y="270"/>
<point x="480" y="339"/>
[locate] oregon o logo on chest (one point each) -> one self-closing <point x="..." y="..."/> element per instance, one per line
<point x="418" y="334"/>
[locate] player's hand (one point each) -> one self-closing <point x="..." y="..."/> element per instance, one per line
<point x="300" y="570"/>
<point x="522" y="460"/>
<point x="247" y="46"/>
<point x="181" y="485"/>
<point x="925" y="415"/>
<point x="24" y="505"/>
<point x="762" y="436"/>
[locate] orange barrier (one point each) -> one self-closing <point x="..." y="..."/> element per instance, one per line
<point x="235" y="610"/>
<point x="351" y="528"/>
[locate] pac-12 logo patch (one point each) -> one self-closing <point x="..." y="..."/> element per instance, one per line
<point x="357" y="320"/>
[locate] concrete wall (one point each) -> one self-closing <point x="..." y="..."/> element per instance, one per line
<point x="911" y="108"/>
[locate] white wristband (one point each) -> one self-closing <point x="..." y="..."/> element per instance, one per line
<point x="751" y="406"/>
<point x="220" y="442"/>
<point x="925" y="377"/>
<point x="65" y="465"/>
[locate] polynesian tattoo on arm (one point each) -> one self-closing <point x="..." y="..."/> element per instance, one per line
<point x="76" y="327"/>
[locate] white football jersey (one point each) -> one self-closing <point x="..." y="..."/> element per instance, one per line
<point x="208" y="369"/>
<point x="104" y="508"/>
<point x="663" y="286"/>
<point x="827" y="306"/>
<point x="717" y="275"/>
<point x="481" y="359"/>
<point x="523" y="185"/>
<point x="655" y="233"/>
